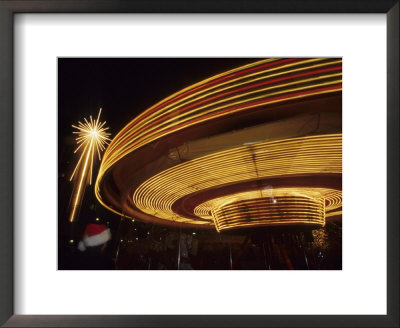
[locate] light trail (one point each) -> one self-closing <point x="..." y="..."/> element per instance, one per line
<point x="250" y="87"/>
<point x="315" y="154"/>
<point x="259" y="87"/>
<point x="92" y="137"/>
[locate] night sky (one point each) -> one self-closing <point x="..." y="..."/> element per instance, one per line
<point x="124" y="87"/>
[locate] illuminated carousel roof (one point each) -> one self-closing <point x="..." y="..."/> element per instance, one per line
<point x="259" y="145"/>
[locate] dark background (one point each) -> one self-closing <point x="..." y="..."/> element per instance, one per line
<point x="124" y="87"/>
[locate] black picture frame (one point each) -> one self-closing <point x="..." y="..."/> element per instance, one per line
<point x="10" y="7"/>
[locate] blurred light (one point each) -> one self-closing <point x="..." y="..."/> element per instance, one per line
<point x="92" y="137"/>
<point x="314" y="154"/>
<point x="97" y="219"/>
<point x="249" y="87"/>
<point x="246" y="210"/>
<point x="71" y="241"/>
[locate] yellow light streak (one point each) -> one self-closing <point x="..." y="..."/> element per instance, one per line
<point x="279" y="206"/>
<point x="335" y="213"/>
<point x="146" y="130"/>
<point x="287" y="210"/>
<point x="147" y="136"/>
<point x="207" y="92"/>
<point x="294" y="156"/>
<point x="92" y="138"/>
<point x="139" y="118"/>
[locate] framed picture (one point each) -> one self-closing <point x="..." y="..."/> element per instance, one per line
<point x="214" y="85"/>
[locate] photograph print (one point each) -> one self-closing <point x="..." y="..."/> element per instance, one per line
<point x="199" y="163"/>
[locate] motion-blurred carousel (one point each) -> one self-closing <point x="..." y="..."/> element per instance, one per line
<point x="258" y="146"/>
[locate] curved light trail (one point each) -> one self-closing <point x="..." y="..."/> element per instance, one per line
<point x="294" y="156"/>
<point x="259" y="87"/>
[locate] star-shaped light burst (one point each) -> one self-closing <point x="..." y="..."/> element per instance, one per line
<point x="91" y="140"/>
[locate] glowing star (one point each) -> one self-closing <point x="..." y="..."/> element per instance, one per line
<point x="91" y="140"/>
